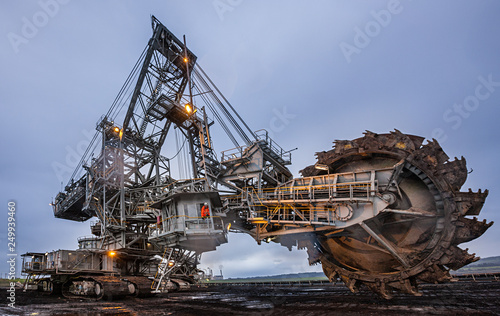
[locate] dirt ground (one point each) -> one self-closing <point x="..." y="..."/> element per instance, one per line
<point x="461" y="298"/>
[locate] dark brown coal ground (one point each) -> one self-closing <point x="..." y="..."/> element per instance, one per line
<point x="460" y="298"/>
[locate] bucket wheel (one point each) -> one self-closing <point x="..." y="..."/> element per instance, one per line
<point x="417" y="237"/>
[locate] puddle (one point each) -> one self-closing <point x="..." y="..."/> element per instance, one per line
<point x="233" y="299"/>
<point x="313" y="290"/>
<point x="258" y="305"/>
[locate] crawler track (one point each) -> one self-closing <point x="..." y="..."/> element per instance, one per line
<point x="96" y="287"/>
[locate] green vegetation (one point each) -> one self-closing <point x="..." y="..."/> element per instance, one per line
<point x="6" y="282"/>
<point x="486" y="262"/>
<point x="486" y="265"/>
<point x="295" y="277"/>
<point x="268" y="279"/>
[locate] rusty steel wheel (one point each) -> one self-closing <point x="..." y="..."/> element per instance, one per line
<point x="417" y="239"/>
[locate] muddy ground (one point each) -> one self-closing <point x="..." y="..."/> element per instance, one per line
<point x="461" y="298"/>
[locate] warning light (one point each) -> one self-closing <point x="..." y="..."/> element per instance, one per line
<point x="112" y="253"/>
<point x="189" y="108"/>
<point x="185" y="60"/>
<point x="116" y="129"/>
<point x="171" y="264"/>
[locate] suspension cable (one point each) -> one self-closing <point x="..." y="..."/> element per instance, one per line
<point x="227" y="102"/>
<point x="224" y="110"/>
<point x="112" y="109"/>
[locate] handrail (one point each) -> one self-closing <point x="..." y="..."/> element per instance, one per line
<point x="263" y="135"/>
<point x="88" y="237"/>
<point x="192" y="217"/>
<point x="232" y="153"/>
<point x="274" y="210"/>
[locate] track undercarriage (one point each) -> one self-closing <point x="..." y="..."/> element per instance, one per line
<point x="87" y="286"/>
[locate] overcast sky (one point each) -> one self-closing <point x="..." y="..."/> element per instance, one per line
<point x="308" y="71"/>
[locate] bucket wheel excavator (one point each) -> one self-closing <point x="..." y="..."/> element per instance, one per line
<point x="383" y="211"/>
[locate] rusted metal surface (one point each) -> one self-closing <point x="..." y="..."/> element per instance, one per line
<point x="394" y="251"/>
<point x="96" y="287"/>
<point x="139" y="286"/>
